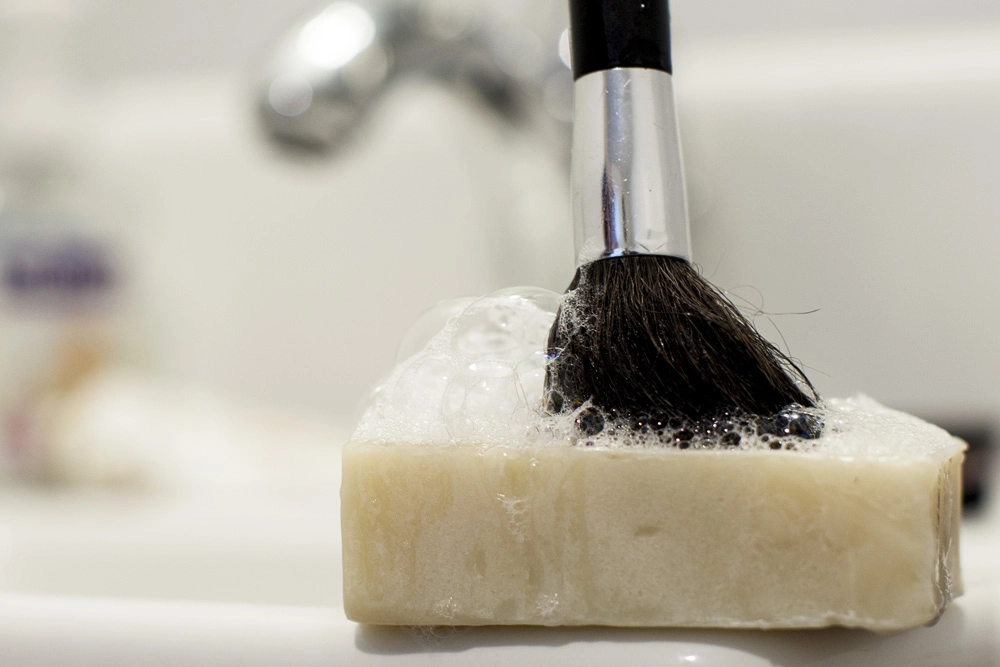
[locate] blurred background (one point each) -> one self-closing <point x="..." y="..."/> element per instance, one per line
<point x="218" y="219"/>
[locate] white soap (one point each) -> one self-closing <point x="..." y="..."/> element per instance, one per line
<point x="463" y="504"/>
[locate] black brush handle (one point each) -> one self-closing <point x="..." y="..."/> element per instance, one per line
<point x="605" y="34"/>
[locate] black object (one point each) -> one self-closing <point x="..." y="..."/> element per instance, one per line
<point x="646" y="335"/>
<point x="641" y="334"/>
<point x="626" y="33"/>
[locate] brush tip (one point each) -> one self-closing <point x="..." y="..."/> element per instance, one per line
<point x="644" y="337"/>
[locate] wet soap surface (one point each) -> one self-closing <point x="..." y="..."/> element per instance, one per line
<point x="464" y="503"/>
<point x="460" y="534"/>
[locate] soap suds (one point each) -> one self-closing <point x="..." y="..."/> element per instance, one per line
<point x="474" y="372"/>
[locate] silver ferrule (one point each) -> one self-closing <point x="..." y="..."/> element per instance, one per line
<point x="628" y="179"/>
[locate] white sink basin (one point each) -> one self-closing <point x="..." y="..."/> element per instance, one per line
<point x="254" y="579"/>
<point x="39" y="630"/>
<point x="264" y="550"/>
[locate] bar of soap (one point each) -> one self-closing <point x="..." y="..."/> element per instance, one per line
<point x="461" y="534"/>
<point x="458" y="514"/>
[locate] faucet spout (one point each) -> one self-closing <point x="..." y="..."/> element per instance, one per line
<point x="328" y="71"/>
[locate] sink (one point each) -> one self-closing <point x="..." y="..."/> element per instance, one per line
<point x="250" y="574"/>
<point x="262" y="548"/>
<point x="252" y="577"/>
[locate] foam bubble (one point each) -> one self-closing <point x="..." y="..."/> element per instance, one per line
<point x="477" y="378"/>
<point x="473" y="371"/>
<point x="507" y="325"/>
<point x="429" y="324"/>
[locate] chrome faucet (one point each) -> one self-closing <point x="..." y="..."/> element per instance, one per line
<point x="328" y="71"/>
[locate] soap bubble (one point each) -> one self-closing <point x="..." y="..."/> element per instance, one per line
<point x="491" y="398"/>
<point x="473" y="370"/>
<point x="508" y="324"/>
<point x="429" y="324"/>
<point x="491" y="368"/>
<point x="419" y="388"/>
<point x="458" y="369"/>
<point x="454" y="398"/>
<point x="531" y="378"/>
<point x="488" y="330"/>
<point x="539" y="299"/>
<point x="481" y="400"/>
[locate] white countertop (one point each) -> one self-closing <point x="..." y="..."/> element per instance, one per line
<point x="42" y="631"/>
<point x="262" y="580"/>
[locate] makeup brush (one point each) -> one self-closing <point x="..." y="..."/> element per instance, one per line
<point x="641" y="335"/>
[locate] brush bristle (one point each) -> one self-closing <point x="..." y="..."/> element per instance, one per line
<point x="647" y="335"/>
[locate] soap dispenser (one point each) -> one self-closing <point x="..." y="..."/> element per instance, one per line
<point x="59" y="266"/>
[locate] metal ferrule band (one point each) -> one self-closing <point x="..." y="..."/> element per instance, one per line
<point x="628" y="179"/>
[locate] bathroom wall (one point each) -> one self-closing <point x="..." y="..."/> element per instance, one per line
<point x="828" y="173"/>
<point x="127" y="37"/>
<point x="843" y="186"/>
